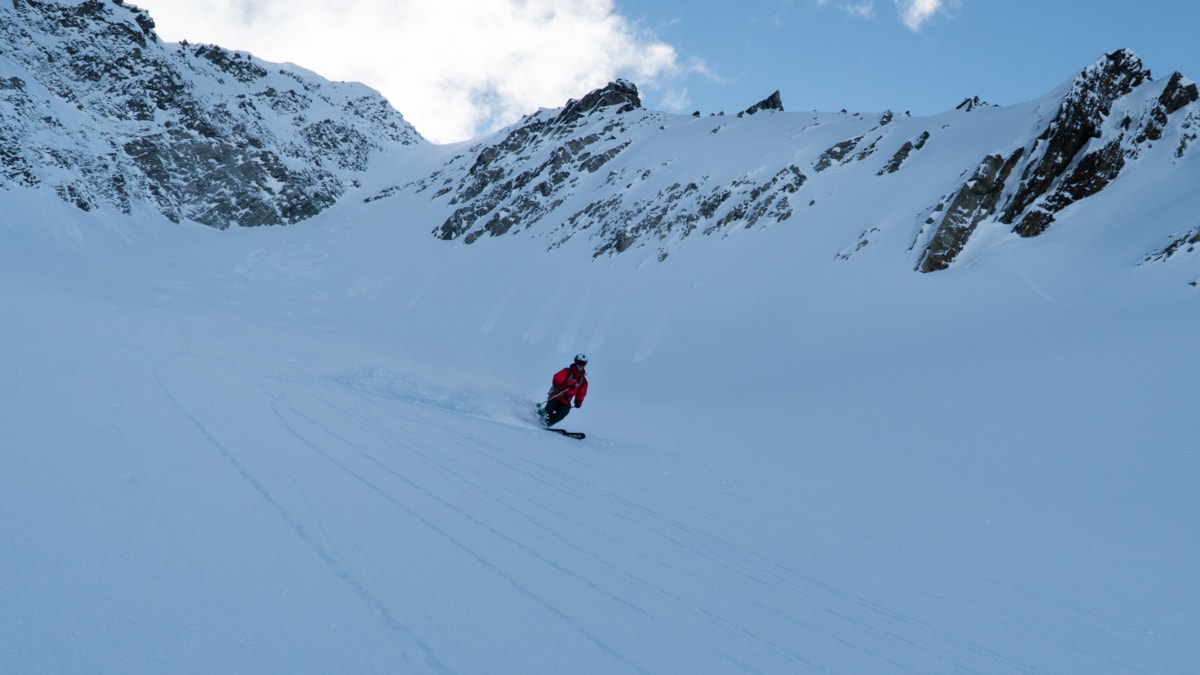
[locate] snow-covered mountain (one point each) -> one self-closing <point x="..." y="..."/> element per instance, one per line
<point x="623" y="176"/>
<point x="96" y="108"/>
<point x="308" y="449"/>
<point x="99" y="110"/>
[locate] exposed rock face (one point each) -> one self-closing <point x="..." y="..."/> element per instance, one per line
<point x="1078" y="121"/>
<point x="837" y="153"/>
<point x="903" y="153"/>
<point x="972" y="103"/>
<point x="680" y="209"/>
<point x="973" y="202"/>
<point x="194" y="132"/>
<point x="772" y="102"/>
<point x="1174" y="97"/>
<point x="621" y="94"/>
<point x="1185" y="243"/>
<point x="1070" y="159"/>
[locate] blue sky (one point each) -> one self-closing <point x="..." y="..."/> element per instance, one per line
<point x="832" y="55"/>
<point x="458" y="68"/>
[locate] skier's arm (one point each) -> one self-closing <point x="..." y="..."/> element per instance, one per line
<point x="559" y="381"/>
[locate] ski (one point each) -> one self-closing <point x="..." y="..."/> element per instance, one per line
<point x="540" y="412"/>
<point x="578" y="435"/>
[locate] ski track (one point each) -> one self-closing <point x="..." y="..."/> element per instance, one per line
<point x="559" y="484"/>
<point x="406" y="639"/>
<point x="785" y="602"/>
<point x="741" y="572"/>
<point x="445" y="505"/>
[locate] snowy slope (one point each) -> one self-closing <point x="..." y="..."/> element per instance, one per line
<point x="303" y="450"/>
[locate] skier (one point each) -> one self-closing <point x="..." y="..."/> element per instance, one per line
<point x="570" y="382"/>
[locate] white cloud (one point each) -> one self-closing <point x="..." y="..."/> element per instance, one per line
<point x="915" y="13"/>
<point x="865" y="10"/>
<point x="455" y="69"/>
<point x="676" y="99"/>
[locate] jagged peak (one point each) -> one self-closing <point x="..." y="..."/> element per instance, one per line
<point x="772" y="102"/>
<point x="622" y="93"/>
<point x="1178" y="92"/>
<point x="972" y="103"/>
<point x="1091" y="96"/>
<point x="1114" y="75"/>
<point x="1117" y="61"/>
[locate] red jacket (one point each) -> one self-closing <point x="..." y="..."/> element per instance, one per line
<point x="567" y="383"/>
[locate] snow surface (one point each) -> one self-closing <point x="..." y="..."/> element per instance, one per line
<point x="307" y="449"/>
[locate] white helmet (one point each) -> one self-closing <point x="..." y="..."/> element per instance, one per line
<point x="581" y="360"/>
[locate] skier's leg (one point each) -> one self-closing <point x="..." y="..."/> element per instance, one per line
<point x="555" y="412"/>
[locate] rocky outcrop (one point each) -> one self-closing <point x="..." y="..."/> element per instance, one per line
<point x="1176" y="94"/>
<point x="1078" y="161"/>
<point x="1070" y="159"/>
<point x="681" y="209"/>
<point x="620" y="94"/>
<point x="772" y="102"/>
<point x="974" y="201"/>
<point x="1078" y="121"/>
<point x="903" y="154"/>
<point x="836" y="153"/>
<point x="104" y="114"/>
<point x="1185" y="243"/>
<point x="972" y="103"/>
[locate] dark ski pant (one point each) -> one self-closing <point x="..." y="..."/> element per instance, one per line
<point x="556" y="410"/>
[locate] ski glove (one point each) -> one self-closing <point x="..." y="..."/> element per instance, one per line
<point x="578" y="404"/>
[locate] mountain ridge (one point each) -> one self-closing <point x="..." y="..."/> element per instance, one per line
<point x="1070" y="157"/>
<point x="199" y="133"/>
